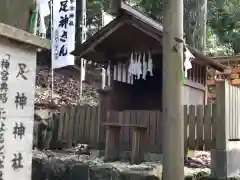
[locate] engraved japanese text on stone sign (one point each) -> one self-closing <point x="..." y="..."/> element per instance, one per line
<point x="17" y="93"/>
<point x="2" y="156"/>
<point x="4" y="89"/>
<point x="5" y="64"/>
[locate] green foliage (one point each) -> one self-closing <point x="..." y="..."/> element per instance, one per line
<point x="224" y="20"/>
<point x="214" y="47"/>
<point x="94" y="19"/>
<point x="223" y="26"/>
<point x="154" y="8"/>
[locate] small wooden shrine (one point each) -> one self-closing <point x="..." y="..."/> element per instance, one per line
<point x="133" y="39"/>
<point x="130" y="49"/>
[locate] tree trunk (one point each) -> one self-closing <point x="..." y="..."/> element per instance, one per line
<point x="195" y="23"/>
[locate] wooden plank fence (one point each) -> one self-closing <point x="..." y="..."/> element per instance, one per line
<point x="79" y="124"/>
<point x="152" y="119"/>
<point x="199" y="128"/>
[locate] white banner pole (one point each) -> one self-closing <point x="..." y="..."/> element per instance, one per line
<point x="52" y="51"/>
<point x="83" y="39"/>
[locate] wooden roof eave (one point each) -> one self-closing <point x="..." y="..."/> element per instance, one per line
<point x="87" y="50"/>
<point x="148" y="30"/>
<point x="207" y="60"/>
<point x="92" y="54"/>
<point x="227" y="59"/>
<point x="93" y="41"/>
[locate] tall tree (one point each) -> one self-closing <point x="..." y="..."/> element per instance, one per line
<point x="194" y="18"/>
<point x="94" y="14"/>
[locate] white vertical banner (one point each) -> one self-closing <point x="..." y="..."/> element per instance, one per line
<point x="63" y="32"/>
<point x="43" y="12"/>
<point x="18" y="72"/>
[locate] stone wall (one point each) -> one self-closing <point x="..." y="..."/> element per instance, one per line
<point x="62" y="166"/>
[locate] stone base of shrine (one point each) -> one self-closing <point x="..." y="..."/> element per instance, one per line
<point x="60" y="165"/>
<point x="126" y="155"/>
<point x="225" y="163"/>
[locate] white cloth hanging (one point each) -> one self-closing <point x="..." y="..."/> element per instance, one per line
<point x="187" y="61"/>
<point x="135" y="66"/>
<point x="150" y="65"/>
<point x="144" y="64"/>
<point x="108" y="69"/>
<point x="139" y="66"/>
<point x="103" y="78"/>
<point x="108" y="74"/>
<point x="131" y="65"/>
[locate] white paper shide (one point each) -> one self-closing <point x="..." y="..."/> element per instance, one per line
<point x="63" y="32"/>
<point x="17" y="93"/>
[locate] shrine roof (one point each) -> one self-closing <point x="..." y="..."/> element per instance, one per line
<point x="117" y="38"/>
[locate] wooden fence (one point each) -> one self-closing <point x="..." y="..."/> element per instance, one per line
<point x="80" y="124"/>
<point x="199" y="128"/>
<point x="199" y="125"/>
<point x="152" y="119"/>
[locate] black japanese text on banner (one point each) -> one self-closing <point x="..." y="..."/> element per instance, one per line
<point x="63" y="35"/>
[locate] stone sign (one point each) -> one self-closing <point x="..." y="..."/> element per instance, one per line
<point x="17" y="95"/>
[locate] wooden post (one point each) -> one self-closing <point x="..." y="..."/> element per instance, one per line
<point x="173" y="140"/>
<point x="138" y="146"/>
<point x="112" y="143"/>
<point x="222" y="128"/>
<point x="102" y="116"/>
<point x="222" y="160"/>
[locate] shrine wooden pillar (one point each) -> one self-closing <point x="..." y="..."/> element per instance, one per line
<point x="104" y="105"/>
